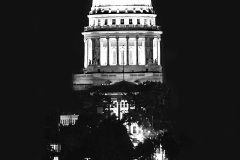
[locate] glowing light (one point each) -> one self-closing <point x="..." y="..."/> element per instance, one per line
<point x="55" y="158"/>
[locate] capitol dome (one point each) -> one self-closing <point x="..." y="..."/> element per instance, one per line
<point x="121" y="6"/>
<point x="104" y="3"/>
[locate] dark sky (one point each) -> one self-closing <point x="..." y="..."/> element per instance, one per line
<point x="197" y="65"/>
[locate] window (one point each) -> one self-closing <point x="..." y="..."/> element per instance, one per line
<point x="150" y="21"/>
<point x="145" y="21"/>
<point x="99" y="22"/>
<point x="122" y="104"/>
<point x="113" y="21"/>
<point x="138" y="21"/>
<point x="134" y="129"/>
<point x="115" y="105"/>
<point x="130" y="21"/>
<point x="122" y="21"/>
<point x="106" y="22"/>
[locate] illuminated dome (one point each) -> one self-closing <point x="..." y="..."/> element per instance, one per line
<point x="121" y="6"/>
<point x="103" y="3"/>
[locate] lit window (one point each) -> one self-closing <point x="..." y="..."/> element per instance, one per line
<point x="134" y="129"/>
<point x="138" y="21"/>
<point x="122" y="21"/>
<point x="55" y="158"/>
<point x="106" y="22"/>
<point x="145" y="21"/>
<point x="113" y="21"/>
<point x="130" y="21"/>
<point x="99" y="22"/>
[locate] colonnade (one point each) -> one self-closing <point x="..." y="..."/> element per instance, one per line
<point x="121" y="51"/>
<point x="68" y="119"/>
<point x="65" y="122"/>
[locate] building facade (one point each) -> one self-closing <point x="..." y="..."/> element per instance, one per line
<point x="121" y="45"/>
<point x="122" y="42"/>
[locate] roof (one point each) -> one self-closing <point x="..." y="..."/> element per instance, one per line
<point x="122" y="86"/>
<point x="99" y="3"/>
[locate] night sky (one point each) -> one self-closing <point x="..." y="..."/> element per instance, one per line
<point x="197" y="67"/>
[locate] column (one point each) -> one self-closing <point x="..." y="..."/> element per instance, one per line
<point x="136" y="50"/>
<point x="101" y="50"/>
<point x="89" y="56"/>
<point x="143" y="49"/>
<point x="117" y="38"/>
<point x="155" y="50"/>
<point x="127" y="38"/>
<point x="108" y="51"/>
<point x="92" y="50"/>
<point x="98" y="60"/>
<point x="159" y="51"/>
<point x="86" y="53"/>
<point x="151" y="47"/>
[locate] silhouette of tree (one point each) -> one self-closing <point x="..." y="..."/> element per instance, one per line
<point x="102" y="137"/>
<point x="103" y="101"/>
<point x="173" y="143"/>
<point x="111" y="141"/>
<point x="144" y="150"/>
<point x="51" y="134"/>
<point x="48" y="154"/>
<point x="150" y="102"/>
<point x="152" y="112"/>
<point x="76" y="139"/>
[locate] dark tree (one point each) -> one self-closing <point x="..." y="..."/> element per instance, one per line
<point x="76" y="139"/>
<point x="111" y="141"/>
<point x="144" y="150"/>
<point x="150" y="102"/>
<point x="48" y="154"/>
<point x="173" y="143"/>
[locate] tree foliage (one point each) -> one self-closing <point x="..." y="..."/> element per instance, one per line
<point x="150" y="104"/>
<point x="101" y="139"/>
<point x="144" y="150"/>
<point x="111" y="141"/>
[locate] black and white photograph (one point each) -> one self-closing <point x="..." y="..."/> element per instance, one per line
<point x="130" y="80"/>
